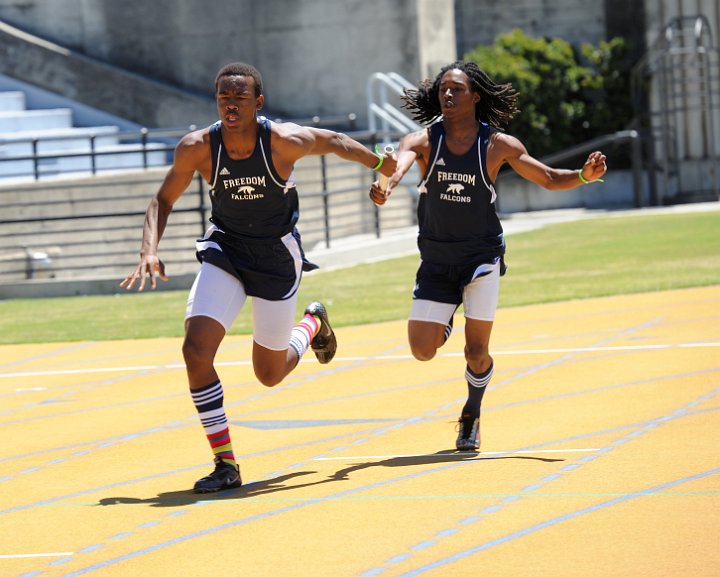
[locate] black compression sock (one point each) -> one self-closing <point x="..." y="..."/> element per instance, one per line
<point x="477" y="383"/>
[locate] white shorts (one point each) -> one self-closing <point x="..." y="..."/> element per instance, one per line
<point x="219" y="295"/>
<point x="480" y="300"/>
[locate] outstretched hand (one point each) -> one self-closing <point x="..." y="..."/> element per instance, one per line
<point x="594" y="167"/>
<point x="150" y="265"/>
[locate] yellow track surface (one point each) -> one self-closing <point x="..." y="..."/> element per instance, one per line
<point x="600" y="435"/>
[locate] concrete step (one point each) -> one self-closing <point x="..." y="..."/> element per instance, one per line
<point x="17" y="120"/>
<point x="12" y="101"/>
<point x="59" y="138"/>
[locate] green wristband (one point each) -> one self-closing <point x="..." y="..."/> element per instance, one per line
<point x="582" y="178"/>
<point x="381" y="157"/>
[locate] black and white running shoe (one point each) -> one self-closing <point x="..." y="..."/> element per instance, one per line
<point x="468" y="433"/>
<point x="225" y="476"/>
<point x="324" y="343"/>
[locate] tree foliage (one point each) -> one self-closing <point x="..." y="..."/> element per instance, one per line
<point x="567" y="95"/>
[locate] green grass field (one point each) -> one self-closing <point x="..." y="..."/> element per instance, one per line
<point x="582" y="259"/>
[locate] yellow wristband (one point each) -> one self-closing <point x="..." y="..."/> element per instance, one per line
<point x="585" y="180"/>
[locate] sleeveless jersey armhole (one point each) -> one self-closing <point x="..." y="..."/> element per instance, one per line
<point x="436" y="137"/>
<point x="483" y="142"/>
<point x="216" y="151"/>
<point x="266" y="150"/>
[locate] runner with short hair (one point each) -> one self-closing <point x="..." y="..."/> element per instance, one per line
<point x="251" y="249"/>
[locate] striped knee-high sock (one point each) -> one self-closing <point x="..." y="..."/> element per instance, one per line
<point x="303" y="333"/>
<point x="208" y="401"/>
<point x="477" y="383"/>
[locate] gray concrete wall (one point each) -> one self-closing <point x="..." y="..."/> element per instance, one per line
<point x="315" y="55"/>
<point x="481" y="21"/>
<point x="518" y="195"/>
<point x="98" y="84"/>
<point x="577" y="21"/>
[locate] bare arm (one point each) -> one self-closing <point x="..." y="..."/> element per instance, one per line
<point x="188" y="155"/>
<point x="295" y="141"/>
<point x="504" y="148"/>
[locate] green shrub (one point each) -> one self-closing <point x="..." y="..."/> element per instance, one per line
<point x="567" y="95"/>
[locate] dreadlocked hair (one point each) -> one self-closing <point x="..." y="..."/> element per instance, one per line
<point x="497" y="105"/>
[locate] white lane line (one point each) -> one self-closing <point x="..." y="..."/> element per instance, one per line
<point x="523" y="352"/>
<point x="26" y="555"/>
<point x="459" y="454"/>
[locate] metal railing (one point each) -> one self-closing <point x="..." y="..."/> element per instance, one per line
<point x="143" y="143"/>
<point x="632" y="138"/>
<point x="93" y="224"/>
<point x="676" y="94"/>
<point x="384" y="115"/>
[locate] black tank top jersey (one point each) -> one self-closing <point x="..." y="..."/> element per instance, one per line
<point x="249" y="199"/>
<point x="457" y="220"/>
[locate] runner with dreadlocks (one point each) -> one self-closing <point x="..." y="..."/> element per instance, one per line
<point x="460" y="236"/>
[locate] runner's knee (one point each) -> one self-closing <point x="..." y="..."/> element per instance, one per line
<point x="478" y="357"/>
<point x="422" y="346"/>
<point x="196" y="353"/>
<point x="423" y="354"/>
<point x="268" y="375"/>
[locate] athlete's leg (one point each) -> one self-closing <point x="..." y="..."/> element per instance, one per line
<point x="278" y="346"/>
<point x="480" y="302"/>
<point x="427" y="327"/>
<point x="477" y="344"/>
<point x="203" y="336"/>
<point x="214" y="301"/>
<point x="479" y="368"/>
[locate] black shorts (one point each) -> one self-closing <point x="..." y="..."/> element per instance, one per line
<point x="445" y="283"/>
<point x="268" y="269"/>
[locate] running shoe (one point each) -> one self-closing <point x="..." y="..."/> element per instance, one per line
<point x="468" y="433"/>
<point x="225" y="476"/>
<point x="324" y="343"/>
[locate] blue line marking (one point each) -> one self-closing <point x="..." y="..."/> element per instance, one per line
<point x="551" y="522"/>
<point x="588" y="459"/>
<point x="279" y="511"/>
<point x="399" y="558"/>
<point x="176" y="513"/>
<point x="552" y="477"/>
<point x="423" y="545"/>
